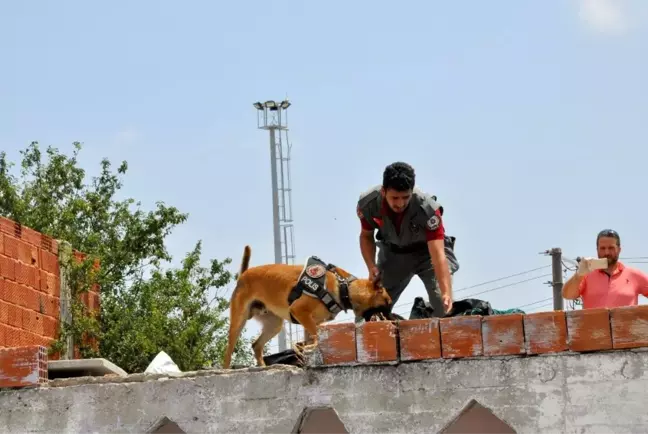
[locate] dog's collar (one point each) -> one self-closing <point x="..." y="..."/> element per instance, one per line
<point x="343" y="284"/>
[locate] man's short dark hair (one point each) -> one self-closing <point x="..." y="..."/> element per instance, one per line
<point x="609" y="233"/>
<point x="399" y="176"/>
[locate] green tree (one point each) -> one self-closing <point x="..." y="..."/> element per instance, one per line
<point x="145" y="308"/>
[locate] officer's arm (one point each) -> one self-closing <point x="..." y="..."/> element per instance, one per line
<point x="367" y="242"/>
<point x="368" y="248"/>
<point x="435" y="235"/>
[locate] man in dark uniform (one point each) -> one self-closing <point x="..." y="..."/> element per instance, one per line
<point x="411" y="238"/>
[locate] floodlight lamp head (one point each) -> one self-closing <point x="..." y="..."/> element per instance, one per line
<point x="285" y="104"/>
<point x="271" y="105"/>
<point x="258" y="106"/>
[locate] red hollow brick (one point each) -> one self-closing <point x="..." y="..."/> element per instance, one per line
<point x="8" y="226"/>
<point x="14" y="316"/>
<point x="337" y="343"/>
<point x="7" y="267"/>
<point x="28" y="275"/>
<point x="49" y="284"/>
<point x="4" y="311"/>
<point x="629" y="326"/>
<point x="94" y="302"/>
<point x="28" y="254"/>
<point x="43" y="341"/>
<point x="31" y="236"/>
<point x="376" y="342"/>
<point x="49" y="305"/>
<point x="23" y="366"/>
<point x="29" y="298"/>
<point x="545" y="332"/>
<point x="419" y="339"/>
<point x="3" y="335"/>
<point x="589" y="330"/>
<point x="32" y="322"/>
<point x="11" y="247"/>
<point x="49" y="262"/>
<point x="503" y="335"/>
<point x="12" y="336"/>
<point x="461" y="336"/>
<point x="90" y="300"/>
<point x="53" y="355"/>
<point x="47" y="243"/>
<point x="50" y="327"/>
<point x="1" y="243"/>
<point x="28" y="338"/>
<point x="10" y="292"/>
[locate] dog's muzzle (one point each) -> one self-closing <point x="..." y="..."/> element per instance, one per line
<point x="384" y="311"/>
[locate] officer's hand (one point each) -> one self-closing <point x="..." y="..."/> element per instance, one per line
<point x="374" y="274"/>
<point x="447" y="302"/>
<point x="584" y="266"/>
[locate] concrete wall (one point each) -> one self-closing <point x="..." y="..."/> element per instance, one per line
<point x="573" y="393"/>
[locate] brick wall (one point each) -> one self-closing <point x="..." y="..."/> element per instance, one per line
<point x="30" y="287"/>
<point x="481" y="337"/>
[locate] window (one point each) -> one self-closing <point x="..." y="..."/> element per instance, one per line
<point x="475" y="418"/>
<point x="319" y="420"/>
<point x="165" y="426"/>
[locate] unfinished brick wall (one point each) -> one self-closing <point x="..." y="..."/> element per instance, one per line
<point x="30" y="290"/>
<point x="476" y="336"/>
<point x="30" y="287"/>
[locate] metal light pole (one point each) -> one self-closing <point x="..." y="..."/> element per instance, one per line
<point x="273" y="116"/>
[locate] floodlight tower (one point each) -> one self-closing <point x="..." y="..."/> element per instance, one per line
<point x="273" y="116"/>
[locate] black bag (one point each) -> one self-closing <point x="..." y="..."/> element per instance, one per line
<point x="469" y="306"/>
<point x="421" y="309"/>
<point x="286" y="357"/>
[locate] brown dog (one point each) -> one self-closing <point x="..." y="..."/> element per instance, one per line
<point x="263" y="292"/>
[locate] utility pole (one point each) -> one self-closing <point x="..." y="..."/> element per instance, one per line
<point x="557" y="279"/>
<point x="272" y="116"/>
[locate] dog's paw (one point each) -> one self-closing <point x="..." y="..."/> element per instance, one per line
<point x="309" y="347"/>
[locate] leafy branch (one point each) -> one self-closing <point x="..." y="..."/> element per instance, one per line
<point x="119" y="248"/>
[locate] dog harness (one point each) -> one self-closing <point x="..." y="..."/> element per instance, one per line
<point x="312" y="283"/>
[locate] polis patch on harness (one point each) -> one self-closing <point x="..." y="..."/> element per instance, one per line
<point x="312" y="282"/>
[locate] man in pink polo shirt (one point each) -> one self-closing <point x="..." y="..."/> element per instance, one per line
<point x="618" y="285"/>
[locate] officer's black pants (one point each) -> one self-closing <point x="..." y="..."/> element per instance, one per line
<point x="399" y="268"/>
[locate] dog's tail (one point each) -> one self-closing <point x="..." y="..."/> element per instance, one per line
<point x="245" y="262"/>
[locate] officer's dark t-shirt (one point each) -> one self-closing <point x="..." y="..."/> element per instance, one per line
<point x="436" y="234"/>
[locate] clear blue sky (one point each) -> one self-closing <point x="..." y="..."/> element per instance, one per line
<point x="527" y="119"/>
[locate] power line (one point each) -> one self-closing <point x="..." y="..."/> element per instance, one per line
<point x="502" y="278"/>
<point x="535" y="302"/>
<point x="567" y="266"/>
<point x="535" y="309"/>
<point x="509" y="284"/>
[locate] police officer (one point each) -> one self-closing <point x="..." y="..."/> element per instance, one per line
<point x="410" y="235"/>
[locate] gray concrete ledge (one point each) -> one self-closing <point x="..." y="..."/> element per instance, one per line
<point x="83" y="367"/>
<point x="576" y="393"/>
